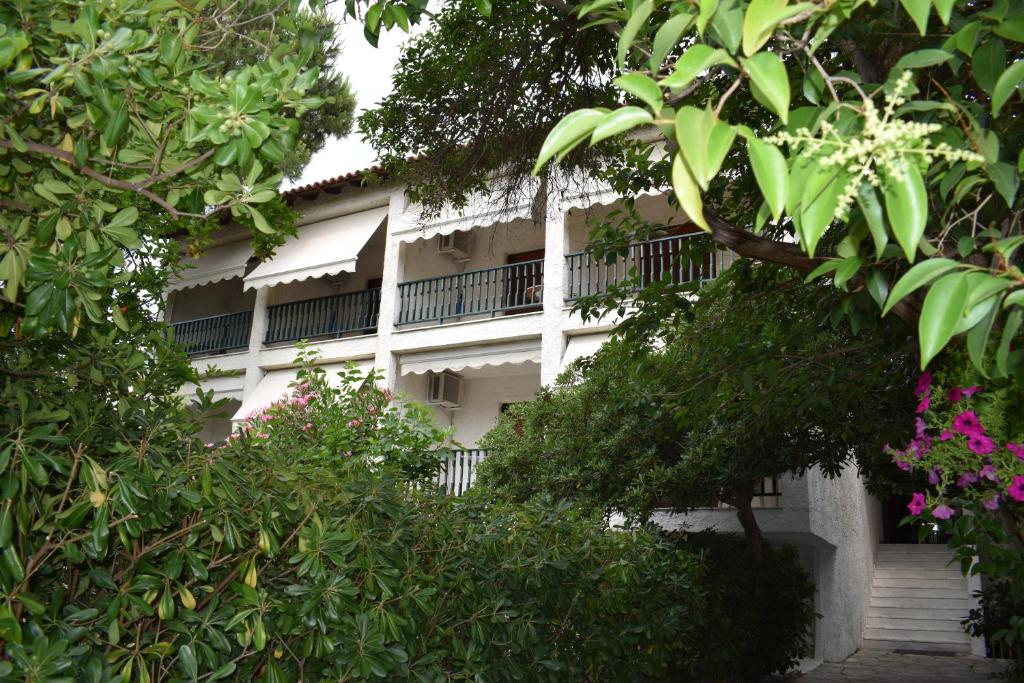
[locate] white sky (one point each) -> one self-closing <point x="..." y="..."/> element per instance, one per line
<point x="369" y="72"/>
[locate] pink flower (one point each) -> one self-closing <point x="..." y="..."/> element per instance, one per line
<point x="924" y="405"/>
<point x="919" y="427"/>
<point x="933" y="476"/>
<point x="1017" y="449"/>
<point x="209" y="445"/>
<point x="957" y="393"/>
<point x="991" y="504"/>
<point x="942" y="512"/>
<point x="309" y="426"/>
<point x="903" y="465"/>
<point x="263" y="436"/>
<point x="946" y="435"/>
<point x="966" y="479"/>
<point x="372" y="410"/>
<point x="355" y="423"/>
<point x="924" y="384"/>
<point x="266" y="418"/>
<point x="989" y="472"/>
<point x="967" y="423"/>
<point x="916" y="504"/>
<point x="980" y="444"/>
<point x="348" y="454"/>
<point x="1016" y="488"/>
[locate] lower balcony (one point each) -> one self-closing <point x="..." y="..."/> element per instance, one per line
<point x="328" y="316"/>
<point x="459" y="470"/>
<point x="214" y="334"/>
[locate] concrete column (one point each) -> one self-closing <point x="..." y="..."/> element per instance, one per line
<point x="555" y="246"/>
<point x="394" y="271"/>
<point x="165" y="314"/>
<point x="253" y="372"/>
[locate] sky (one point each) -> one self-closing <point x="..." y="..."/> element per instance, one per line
<point x="369" y="72"/>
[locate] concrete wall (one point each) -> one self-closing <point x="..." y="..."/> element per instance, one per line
<point x="489" y="247"/>
<point x="215" y="298"/>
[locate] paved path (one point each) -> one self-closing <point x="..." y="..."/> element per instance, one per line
<point x="879" y="666"/>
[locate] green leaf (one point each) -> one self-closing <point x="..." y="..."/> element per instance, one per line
<point x="977" y="340"/>
<point x="1011" y="29"/>
<point x="917" y="277"/>
<point x="482" y="6"/>
<point x="620" y="121"/>
<point x="771" y="173"/>
<point x="704" y="142"/>
<point x="188" y="663"/>
<point x="696" y="59"/>
<point x="1007" y="85"/>
<point x="688" y="193"/>
<point x="727" y="25"/>
<point x="667" y="37"/>
<point x="822" y="268"/>
<point x="944" y="306"/>
<point x="1013" y="323"/>
<point x="920" y="59"/>
<point x="643" y="88"/>
<point x="818" y="204"/>
<point x="568" y="133"/>
<point x="878" y="286"/>
<point x="761" y="19"/>
<point x="918" y="11"/>
<point x="259" y="221"/>
<point x="637" y="20"/>
<point x="871" y="208"/>
<point x="906" y="205"/>
<point x="769" y="82"/>
<point x="1006" y="180"/>
<point x="705" y="12"/>
<point x="988" y="62"/>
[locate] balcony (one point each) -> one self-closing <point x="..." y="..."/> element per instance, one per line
<point x="215" y="334"/>
<point x="646" y="261"/>
<point x="328" y="316"/>
<point x="459" y="471"/>
<point x="512" y="288"/>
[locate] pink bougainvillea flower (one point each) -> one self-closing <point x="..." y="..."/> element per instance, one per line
<point x="991" y="504"/>
<point x="1017" y="449"/>
<point x="980" y="444"/>
<point x="1016" y="488"/>
<point x="966" y="479"/>
<point x="946" y="435"/>
<point x="942" y="512"/>
<point x="933" y="476"/>
<point x="967" y="423"/>
<point x="989" y="472"/>
<point x="924" y="405"/>
<point x="924" y="384"/>
<point x="916" y="504"/>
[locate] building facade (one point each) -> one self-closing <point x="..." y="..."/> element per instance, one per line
<point x="468" y="312"/>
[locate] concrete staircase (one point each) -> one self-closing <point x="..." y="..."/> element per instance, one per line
<point x="917" y="601"/>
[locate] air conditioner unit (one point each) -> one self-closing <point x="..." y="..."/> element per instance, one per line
<point x="455" y="245"/>
<point x="444" y="389"/>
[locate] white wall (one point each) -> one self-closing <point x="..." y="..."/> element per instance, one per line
<point x="215" y="298"/>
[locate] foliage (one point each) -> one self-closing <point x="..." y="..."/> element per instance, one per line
<point x="755" y="380"/>
<point x="114" y="108"/>
<point x="996" y="616"/>
<point x="300" y="550"/>
<point x="889" y="161"/>
<point x="471" y="87"/>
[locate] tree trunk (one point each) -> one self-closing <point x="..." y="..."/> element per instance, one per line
<point x="745" y="513"/>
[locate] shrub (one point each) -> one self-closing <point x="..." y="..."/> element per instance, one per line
<point x="310" y="546"/>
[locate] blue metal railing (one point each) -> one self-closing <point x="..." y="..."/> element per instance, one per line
<point x="517" y="287"/>
<point x="215" y="334"/>
<point x="325" y="316"/>
<point x="646" y="262"/>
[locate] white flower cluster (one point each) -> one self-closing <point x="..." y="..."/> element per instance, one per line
<point x="884" y="143"/>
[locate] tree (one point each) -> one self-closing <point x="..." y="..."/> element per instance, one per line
<point x="755" y="381"/>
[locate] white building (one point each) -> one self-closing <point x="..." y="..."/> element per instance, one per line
<point x="472" y="311"/>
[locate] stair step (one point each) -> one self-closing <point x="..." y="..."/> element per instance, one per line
<point x="913" y="548"/>
<point x="956" y="648"/>
<point x="903" y="571"/>
<point x="902" y="601"/>
<point x="907" y="592"/>
<point x="914" y="624"/>
<point x="914" y="635"/>
<point x="957" y="584"/>
<point x="953" y="614"/>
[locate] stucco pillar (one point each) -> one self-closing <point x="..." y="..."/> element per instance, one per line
<point x="164" y="314"/>
<point x="253" y="371"/>
<point x="394" y="270"/>
<point x="555" y="238"/>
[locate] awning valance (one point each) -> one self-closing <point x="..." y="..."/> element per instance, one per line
<point x="460" y="358"/>
<point x="216" y="263"/>
<point x="325" y="248"/>
<point x="275" y="386"/>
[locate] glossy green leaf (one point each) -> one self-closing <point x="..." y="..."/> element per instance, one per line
<point x="771" y="172"/>
<point x="818" y="204"/>
<point x="643" y="88"/>
<point x="918" y="11"/>
<point x="906" y="206"/>
<point x="871" y="208"/>
<point x="944" y="306"/>
<point x="620" y="121"/>
<point x="878" y="285"/>
<point x="568" y="133"/>
<point x="1007" y="85"/>
<point x="920" y="59"/>
<point x="706" y="10"/>
<point x="761" y="19"/>
<point x="688" y="193"/>
<point x="917" y="277"/>
<point x="667" y="38"/>
<point x="769" y="82"/>
<point x="696" y="59"/>
<point x="637" y="21"/>
<point x="1010" y="329"/>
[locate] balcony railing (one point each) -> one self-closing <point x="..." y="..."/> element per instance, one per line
<point x="517" y="287"/>
<point x="327" y="316"/>
<point x="645" y="261"/>
<point x="215" y="334"/>
<point x="459" y="471"/>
